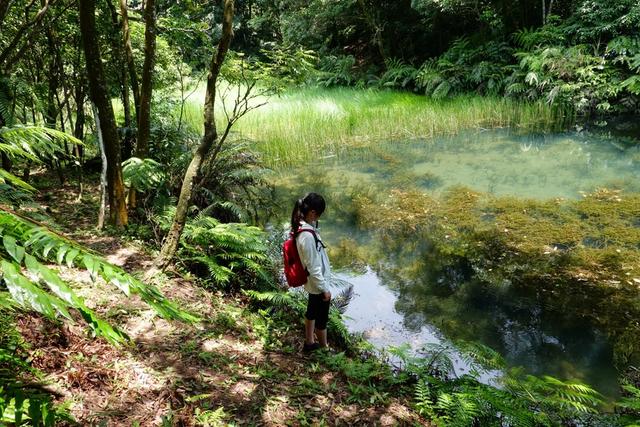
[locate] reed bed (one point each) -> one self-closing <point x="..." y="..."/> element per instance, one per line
<point x="318" y="123"/>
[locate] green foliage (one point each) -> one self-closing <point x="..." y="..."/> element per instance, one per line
<point x="28" y="143"/>
<point x="519" y="400"/>
<point x="397" y="75"/>
<point x="33" y="143"/>
<point x="567" y="76"/>
<point x="234" y="186"/>
<point x="227" y="254"/>
<point x="466" y="68"/>
<point x="292" y="65"/>
<point x="143" y="174"/>
<point x="27" y="245"/>
<point x="337" y="71"/>
<point x="629" y="405"/>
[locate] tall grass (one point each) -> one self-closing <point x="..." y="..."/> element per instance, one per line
<point x="319" y="122"/>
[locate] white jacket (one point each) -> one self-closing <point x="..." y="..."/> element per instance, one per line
<point x="314" y="259"/>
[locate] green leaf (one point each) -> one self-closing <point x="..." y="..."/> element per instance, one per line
<point x="28" y="295"/>
<point x="71" y="256"/>
<point x="57" y="286"/>
<point x="12" y="248"/>
<point x="10" y="178"/>
<point x="91" y="264"/>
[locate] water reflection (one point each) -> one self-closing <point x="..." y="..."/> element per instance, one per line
<point x="390" y="309"/>
<point x="499" y="163"/>
<point x="409" y="294"/>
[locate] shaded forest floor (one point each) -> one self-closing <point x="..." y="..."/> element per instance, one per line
<point x="240" y="366"/>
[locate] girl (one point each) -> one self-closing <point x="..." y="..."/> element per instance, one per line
<point x="306" y="212"/>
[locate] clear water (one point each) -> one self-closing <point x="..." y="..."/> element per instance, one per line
<point x="495" y="162"/>
<point x="426" y="308"/>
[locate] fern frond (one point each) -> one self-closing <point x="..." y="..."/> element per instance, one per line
<point x="44" y="244"/>
<point x="143" y="174"/>
<point x="34" y="142"/>
<point x="7" y="177"/>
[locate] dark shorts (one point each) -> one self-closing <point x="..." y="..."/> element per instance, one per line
<point x="318" y="310"/>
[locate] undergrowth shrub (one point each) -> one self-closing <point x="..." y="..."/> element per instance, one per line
<point x="466" y="68"/>
<point x="516" y="399"/>
<point x="224" y="255"/>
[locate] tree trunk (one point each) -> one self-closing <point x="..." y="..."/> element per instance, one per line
<point x="52" y="110"/>
<point x="78" y="131"/>
<point x="210" y="137"/>
<point x="103" y="173"/>
<point x="146" y="91"/>
<point x="100" y="97"/>
<point x="121" y="66"/>
<point x="126" y="37"/>
<point x="144" y="119"/>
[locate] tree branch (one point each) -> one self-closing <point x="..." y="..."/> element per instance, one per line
<point x="22" y="30"/>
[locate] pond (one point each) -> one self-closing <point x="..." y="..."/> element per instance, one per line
<point x="434" y="302"/>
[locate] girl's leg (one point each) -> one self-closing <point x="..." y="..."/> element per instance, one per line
<point x="322" y="337"/>
<point x="309" y="326"/>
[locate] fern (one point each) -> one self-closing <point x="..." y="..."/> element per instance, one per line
<point x="480" y="356"/>
<point x="397" y="75"/>
<point x="34" y="143"/>
<point x="231" y="186"/>
<point x="227" y="251"/>
<point x="143" y="174"/>
<point x="27" y="244"/>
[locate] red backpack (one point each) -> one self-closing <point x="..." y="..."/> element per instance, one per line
<point x="294" y="271"/>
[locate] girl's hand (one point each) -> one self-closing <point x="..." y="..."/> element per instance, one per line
<point x="326" y="296"/>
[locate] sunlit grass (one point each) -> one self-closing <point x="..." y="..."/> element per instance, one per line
<point x="317" y="122"/>
<point x="313" y="123"/>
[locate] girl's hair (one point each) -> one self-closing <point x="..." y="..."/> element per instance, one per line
<point x="310" y="202"/>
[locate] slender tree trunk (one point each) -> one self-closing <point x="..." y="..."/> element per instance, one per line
<point x="5" y="161"/>
<point x="544" y="12"/>
<point x="78" y="131"/>
<point x="100" y="96"/>
<point x="126" y="37"/>
<point x="103" y="173"/>
<point x="144" y="119"/>
<point x="52" y="110"/>
<point x="209" y="138"/>
<point x="121" y="66"/>
<point x="146" y="91"/>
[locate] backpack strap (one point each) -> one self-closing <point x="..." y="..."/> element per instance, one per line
<point x="315" y="237"/>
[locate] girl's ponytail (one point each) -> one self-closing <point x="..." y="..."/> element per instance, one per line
<point x="296" y="215"/>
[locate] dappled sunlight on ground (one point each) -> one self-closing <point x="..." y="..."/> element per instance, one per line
<point x="178" y="374"/>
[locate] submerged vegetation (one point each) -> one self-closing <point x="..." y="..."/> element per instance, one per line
<point x="554" y="248"/>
